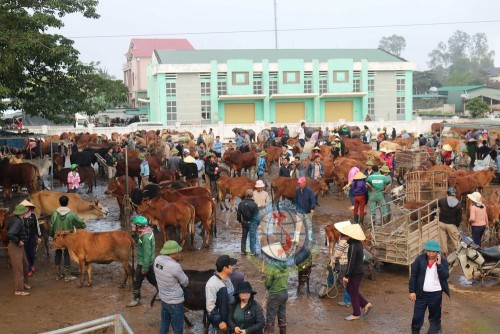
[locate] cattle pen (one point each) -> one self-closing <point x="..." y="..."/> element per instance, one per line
<point x="399" y="237"/>
<point x="409" y="160"/>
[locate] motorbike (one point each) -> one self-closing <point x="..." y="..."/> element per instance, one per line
<point x="476" y="262"/>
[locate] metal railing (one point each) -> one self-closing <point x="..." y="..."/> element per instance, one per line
<point x="113" y="321"/>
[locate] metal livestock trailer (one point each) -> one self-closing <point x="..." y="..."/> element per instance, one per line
<point x="400" y="235"/>
<point x="409" y="160"/>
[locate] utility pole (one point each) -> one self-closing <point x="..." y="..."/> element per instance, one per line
<point x="275" y="24"/>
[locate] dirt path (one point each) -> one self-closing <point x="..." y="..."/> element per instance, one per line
<point x="55" y="304"/>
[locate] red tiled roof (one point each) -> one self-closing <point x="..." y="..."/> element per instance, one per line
<point x="143" y="47"/>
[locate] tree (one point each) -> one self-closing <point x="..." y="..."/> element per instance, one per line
<point x="394" y="44"/>
<point x="463" y="59"/>
<point x="477" y="107"/>
<point x="41" y="72"/>
<point x="424" y="80"/>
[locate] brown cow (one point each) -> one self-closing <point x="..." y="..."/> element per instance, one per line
<point x="86" y="247"/>
<point x="87" y="177"/>
<point x="163" y="174"/>
<point x="237" y="160"/>
<point x="454" y="143"/>
<point x="21" y="174"/>
<point x="273" y="154"/>
<point x="163" y="213"/>
<point x="46" y="202"/>
<point x="203" y="206"/>
<point x="235" y="187"/>
<point x="463" y="185"/>
<point x="332" y="236"/>
<point x="117" y="189"/>
<point x="4" y="214"/>
<point x="484" y="177"/>
<point x="285" y="187"/>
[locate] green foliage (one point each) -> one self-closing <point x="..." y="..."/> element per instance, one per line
<point x="41" y="72"/>
<point x="424" y="80"/>
<point x="394" y="44"/>
<point x="477" y="107"/>
<point x="462" y="60"/>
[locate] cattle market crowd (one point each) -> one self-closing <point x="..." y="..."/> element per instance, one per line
<point x="172" y="181"/>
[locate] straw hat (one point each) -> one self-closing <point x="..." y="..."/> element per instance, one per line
<point x="27" y="203"/>
<point x="341" y="225"/>
<point x="383" y="149"/>
<point x="447" y="147"/>
<point x="475" y="197"/>
<point x="259" y="184"/>
<point x="188" y="159"/>
<point x="359" y="176"/>
<point x="354" y="231"/>
<point x="274" y="251"/>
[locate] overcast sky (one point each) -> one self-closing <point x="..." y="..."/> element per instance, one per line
<point x="125" y="19"/>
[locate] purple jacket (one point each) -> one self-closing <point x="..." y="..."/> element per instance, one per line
<point x="359" y="187"/>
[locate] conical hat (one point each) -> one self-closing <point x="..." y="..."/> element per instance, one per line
<point x="27" y="203"/>
<point x="341" y="225"/>
<point x="355" y="231"/>
<point x="447" y="147"/>
<point x="359" y="176"/>
<point x="275" y="251"/>
<point x="188" y="159"/>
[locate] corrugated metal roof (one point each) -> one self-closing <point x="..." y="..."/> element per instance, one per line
<point x="427" y="96"/>
<point x="455" y="88"/>
<point x="143" y="47"/>
<point x="206" y="56"/>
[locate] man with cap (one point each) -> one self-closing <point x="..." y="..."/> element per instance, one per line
<point x="246" y="215"/>
<point x="17" y="238"/>
<point x="276" y="283"/>
<point x="428" y="281"/>
<point x="63" y="219"/>
<point x="369" y="170"/>
<point x="73" y="179"/>
<point x="111" y="163"/>
<point x="305" y="202"/>
<point x="144" y="170"/>
<point x="212" y="172"/>
<point x="463" y="160"/>
<point x="170" y="279"/>
<point x="378" y="185"/>
<point x="174" y="161"/>
<point x="33" y="235"/>
<point x="145" y="241"/>
<point x="190" y="171"/>
<point x="355" y="269"/>
<point x="219" y="293"/>
<point x="450" y="217"/>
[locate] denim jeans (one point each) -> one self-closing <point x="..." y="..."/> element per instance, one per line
<point x="172" y="313"/>
<point x="432" y="301"/>
<point x="477" y="234"/>
<point x="244" y="233"/>
<point x="59" y="254"/>
<point x="252" y="231"/>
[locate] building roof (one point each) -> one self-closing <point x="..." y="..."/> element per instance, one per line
<point x="206" y="56"/>
<point x="457" y="88"/>
<point x="493" y="71"/>
<point x="143" y="47"/>
<point x="427" y="96"/>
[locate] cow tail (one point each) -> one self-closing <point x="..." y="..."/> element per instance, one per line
<point x="95" y="179"/>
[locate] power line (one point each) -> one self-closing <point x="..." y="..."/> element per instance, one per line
<point x="289" y="30"/>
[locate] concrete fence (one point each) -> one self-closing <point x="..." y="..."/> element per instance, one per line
<point x="416" y="126"/>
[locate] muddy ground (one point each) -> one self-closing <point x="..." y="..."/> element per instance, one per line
<point x="56" y="304"/>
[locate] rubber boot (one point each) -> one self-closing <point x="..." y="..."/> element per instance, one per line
<point x="361" y="220"/>
<point x="282" y="325"/>
<point x="59" y="273"/>
<point x="269" y="328"/>
<point x="67" y="275"/>
<point x="356" y="219"/>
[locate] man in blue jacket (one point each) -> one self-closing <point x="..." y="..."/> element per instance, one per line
<point x="305" y="202"/>
<point x="429" y="278"/>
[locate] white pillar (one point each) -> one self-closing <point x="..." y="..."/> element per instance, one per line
<point x="220" y="132"/>
<point x="418" y="129"/>
<point x="90" y="128"/>
<point x="45" y="129"/>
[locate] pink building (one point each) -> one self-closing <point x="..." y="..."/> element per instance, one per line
<point x="139" y="57"/>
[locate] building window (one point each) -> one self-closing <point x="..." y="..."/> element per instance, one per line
<point x="323" y="86"/>
<point x="400" y="105"/>
<point x="356" y="85"/>
<point x="400" y="84"/>
<point x="222" y="88"/>
<point x="371" y="106"/>
<point x="291" y="77"/>
<point x="205" y="88"/>
<point x="240" y="78"/>
<point x="371" y="85"/>
<point x="170" y="89"/>
<point x="273" y="86"/>
<point x="171" y="111"/>
<point x="257" y="86"/>
<point x="308" y="86"/>
<point x="340" y="76"/>
<point x="206" y="110"/>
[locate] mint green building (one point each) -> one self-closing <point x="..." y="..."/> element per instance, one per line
<point x="280" y="86"/>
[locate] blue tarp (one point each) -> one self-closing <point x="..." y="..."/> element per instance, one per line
<point x="9" y="139"/>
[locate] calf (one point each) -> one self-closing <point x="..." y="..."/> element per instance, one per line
<point x="87" y="247"/>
